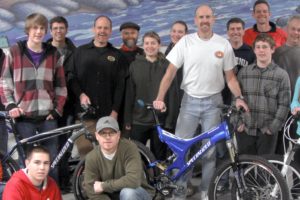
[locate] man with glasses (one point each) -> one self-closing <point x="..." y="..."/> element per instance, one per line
<point x="114" y="169"/>
<point x="59" y="29"/>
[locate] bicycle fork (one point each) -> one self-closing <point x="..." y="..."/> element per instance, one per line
<point x="237" y="171"/>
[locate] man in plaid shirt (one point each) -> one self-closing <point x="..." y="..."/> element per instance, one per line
<point x="266" y="89"/>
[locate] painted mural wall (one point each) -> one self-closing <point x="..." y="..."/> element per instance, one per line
<point x="155" y="15"/>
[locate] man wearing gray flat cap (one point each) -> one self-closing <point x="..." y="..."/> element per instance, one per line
<point x="114" y="169"/>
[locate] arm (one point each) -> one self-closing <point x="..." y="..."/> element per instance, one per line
<point x="129" y="99"/>
<point x="73" y="79"/>
<point x="7" y="87"/>
<point x="119" y="85"/>
<point x="235" y="89"/>
<point x="295" y="105"/>
<point x="133" y="171"/>
<point x="60" y="89"/>
<point x="13" y="191"/>
<point x="283" y="102"/>
<point x="164" y="86"/>
<point x="91" y="175"/>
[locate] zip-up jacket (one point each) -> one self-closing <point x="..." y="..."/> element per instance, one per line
<point x="143" y="83"/>
<point x="38" y="90"/>
<point x="276" y="33"/>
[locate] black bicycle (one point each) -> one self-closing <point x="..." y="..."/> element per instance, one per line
<point x="9" y="165"/>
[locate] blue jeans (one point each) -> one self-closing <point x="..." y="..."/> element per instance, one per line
<point x="195" y="111"/>
<point x="28" y="129"/>
<point x="134" y="194"/>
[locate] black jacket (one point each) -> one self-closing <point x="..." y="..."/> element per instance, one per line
<point x="1" y="63"/>
<point x="100" y="73"/>
<point x="68" y="65"/>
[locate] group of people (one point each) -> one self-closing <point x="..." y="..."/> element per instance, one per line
<point x="44" y="85"/>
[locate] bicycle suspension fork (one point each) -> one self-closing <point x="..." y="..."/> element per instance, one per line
<point x="237" y="171"/>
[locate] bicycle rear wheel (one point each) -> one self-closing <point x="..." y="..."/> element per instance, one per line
<point x="292" y="176"/>
<point x="259" y="176"/>
<point x="7" y="167"/>
<point x="146" y="156"/>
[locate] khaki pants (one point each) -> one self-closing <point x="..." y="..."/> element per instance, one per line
<point x="84" y="145"/>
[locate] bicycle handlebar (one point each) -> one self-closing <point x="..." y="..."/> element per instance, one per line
<point x="4" y="114"/>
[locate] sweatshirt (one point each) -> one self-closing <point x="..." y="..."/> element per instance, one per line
<point x="19" y="187"/>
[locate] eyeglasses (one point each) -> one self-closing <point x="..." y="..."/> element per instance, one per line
<point x="107" y="133"/>
<point x="58" y="28"/>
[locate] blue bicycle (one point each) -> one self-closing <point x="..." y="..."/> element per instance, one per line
<point x="246" y="176"/>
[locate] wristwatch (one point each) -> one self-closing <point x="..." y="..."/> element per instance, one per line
<point x="239" y="97"/>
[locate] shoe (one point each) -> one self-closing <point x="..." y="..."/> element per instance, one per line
<point x="220" y="188"/>
<point x="204" y="195"/>
<point x="190" y="191"/>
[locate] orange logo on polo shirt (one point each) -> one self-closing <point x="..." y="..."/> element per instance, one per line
<point x="111" y="58"/>
<point x="219" y="54"/>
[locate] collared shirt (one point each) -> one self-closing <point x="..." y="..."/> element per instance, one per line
<point x="267" y="93"/>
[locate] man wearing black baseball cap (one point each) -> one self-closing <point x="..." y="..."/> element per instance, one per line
<point x="113" y="170"/>
<point x="130" y="33"/>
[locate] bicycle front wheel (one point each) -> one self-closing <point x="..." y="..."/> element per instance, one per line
<point x="292" y="175"/>
<point x="260" y="180"/>
<point x="8" y="167"/>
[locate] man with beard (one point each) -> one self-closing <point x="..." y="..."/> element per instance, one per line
<point x="207" y="57"/>
<point x="98" y="77"/>
<point x="130" y="34"/>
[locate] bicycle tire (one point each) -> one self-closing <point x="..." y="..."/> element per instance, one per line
<point x="293" y="178"/>
<point x="78" y="182"/>
<point x="260" y="177"/>
<point x="146" y="156"/>
<point x="8" y="168"/>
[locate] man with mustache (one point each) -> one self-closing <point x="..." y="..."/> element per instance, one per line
<point x="130" y="34"/>
<point x="207" y="57"/>
<point x="261" y="13"/>
<point x="98" y="77"/>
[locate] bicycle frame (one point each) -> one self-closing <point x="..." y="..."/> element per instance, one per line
<point x="76" y="129"/>
<point x="180" y="147"/>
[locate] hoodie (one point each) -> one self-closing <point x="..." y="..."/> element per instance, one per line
<point x="38" y="90"/>
<point x="143" y="83"/>
<point x="19" y="187"/>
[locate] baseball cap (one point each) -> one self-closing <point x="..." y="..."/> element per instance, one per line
<point x="130" y="25"/>
<point x="107" y="122"/>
